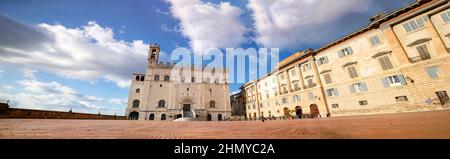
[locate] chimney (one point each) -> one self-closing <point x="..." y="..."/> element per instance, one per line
<point x="377" y="16"/>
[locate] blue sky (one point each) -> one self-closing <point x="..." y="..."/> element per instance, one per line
<point x="80" y="54"/>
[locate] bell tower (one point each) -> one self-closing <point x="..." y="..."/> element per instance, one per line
<point x="153" y="56"/>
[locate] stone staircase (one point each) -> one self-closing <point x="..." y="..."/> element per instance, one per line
<point x="187" y="116"/>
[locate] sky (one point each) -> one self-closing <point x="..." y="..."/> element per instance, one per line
<point x="61" y="55"/>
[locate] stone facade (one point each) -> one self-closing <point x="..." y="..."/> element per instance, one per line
<point x="168" y="92"/>
<point x="237" y="105"/>
<point x="398" y="63"/>
<point x="7" y="112"/>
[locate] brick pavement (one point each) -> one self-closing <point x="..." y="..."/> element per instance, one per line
<point x="405" y="125"/>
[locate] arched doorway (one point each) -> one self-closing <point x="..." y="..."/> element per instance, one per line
<point x="314" y="110"/>
<point x="151" y="117"/>
<point x="219" y="117"/>
<point x="298" y="111"/>
<point x="133" y="116"/>
<point x="208" y="117"/>
<point x="163" y="116"/>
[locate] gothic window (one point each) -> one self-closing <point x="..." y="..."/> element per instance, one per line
<point x="161" y="103"/>
<point x="212" y="104"/>
<point x="166" y="78"/>
<point x="156" y="78"/>
<point x="136" y="103"/>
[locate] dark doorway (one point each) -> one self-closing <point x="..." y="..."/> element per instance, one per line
<point x="151" y="117"/>
<point x="208" y="117"/>
<point x="133" y="116"/>
<point x="163" y="116"/>
<point x="299" y="111"/>
<point x="186" y="107"/>
<point x="443" y="97"/>
<point x="178" y="116"/>
<point x="314" y="111"/>
<point x="219" y="117"/>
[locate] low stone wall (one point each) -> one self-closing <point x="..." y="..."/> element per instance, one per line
<point x="6" y="112"/>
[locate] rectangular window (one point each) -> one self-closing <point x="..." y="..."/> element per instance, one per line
<point x="260" y="105"/>
<point x="282" y="77"/>
<point x="385" y="63"/>
<point x="332" y="92"/>
<point x="322" y="60"/>
<point x="310" y="82"/>
<point x="296" y="87"/>
<point x="306" y="67"/>
<point x="433" y="72"/>
<point x="292" y="72"/>
<point x="295" y="98"/>
<point x="446" y="16"/>
<point x="415" y="24"/>
<point x="311" y="96"/>
<point x="375" y="40"/>
<point x="401" y="99"/>
<point x="392" y="81"/>
<point x="363" y="103"/>
<point x="267" y="95"/>
<point x="335" y="106"/>
<point x="423" y="52"/>
<point x="327" y="78"/>
<point x="352" y="72"/>
<point x="345" y="52"/>
<point x="284" y="100"/>
<point x="358" y="87"/>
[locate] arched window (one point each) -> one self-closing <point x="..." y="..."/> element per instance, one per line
<point x="156" y="78"/>
<point x="182" y="78"/>
<point x="142" y="78"/>
<point x="212" y="104"/>
<point x="133" y="116"/>
<point x="138" y="90"/>
<point x="166" y="78"/>
<point x="151" y="117"/>
<point x="137" y="78"/>
<point x="163" y="116"/>
<point x="161" y="103"/>
<point x="216" y="81"/>
<point x="136" y="103"/>
<point x="219" y="117"/>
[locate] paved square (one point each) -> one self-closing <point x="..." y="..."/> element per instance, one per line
<point x="405" y="125"/>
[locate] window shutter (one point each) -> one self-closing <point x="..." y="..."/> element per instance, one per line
<point x="336" y="91"/>
<point x="363" y="87"/>
<point x="319" y="62"/>
<point x="352" y="89"/>
<point x="407" y="27"/>
<point x="350" y="50"/>
<point x="341" y="53"/>
<point x="325" y="59"/>
<point x="385" y="82"/>
<point x="402" y="79"/>
<point x="433" y="72"/>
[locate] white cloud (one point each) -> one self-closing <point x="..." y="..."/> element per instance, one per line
<point x="7" y="87"/>
<point x="288" y="23"/>
<point x="55" y="96"/>
<point x="27" y="72"/>
<point x="209" y="25"/>
<point x="87" y="53"/>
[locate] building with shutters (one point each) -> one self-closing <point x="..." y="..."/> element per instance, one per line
<point x="168" y="92"/>
<point x="399" y="62"/>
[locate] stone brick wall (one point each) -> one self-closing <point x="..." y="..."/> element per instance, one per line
<point x="6" y="112"/>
